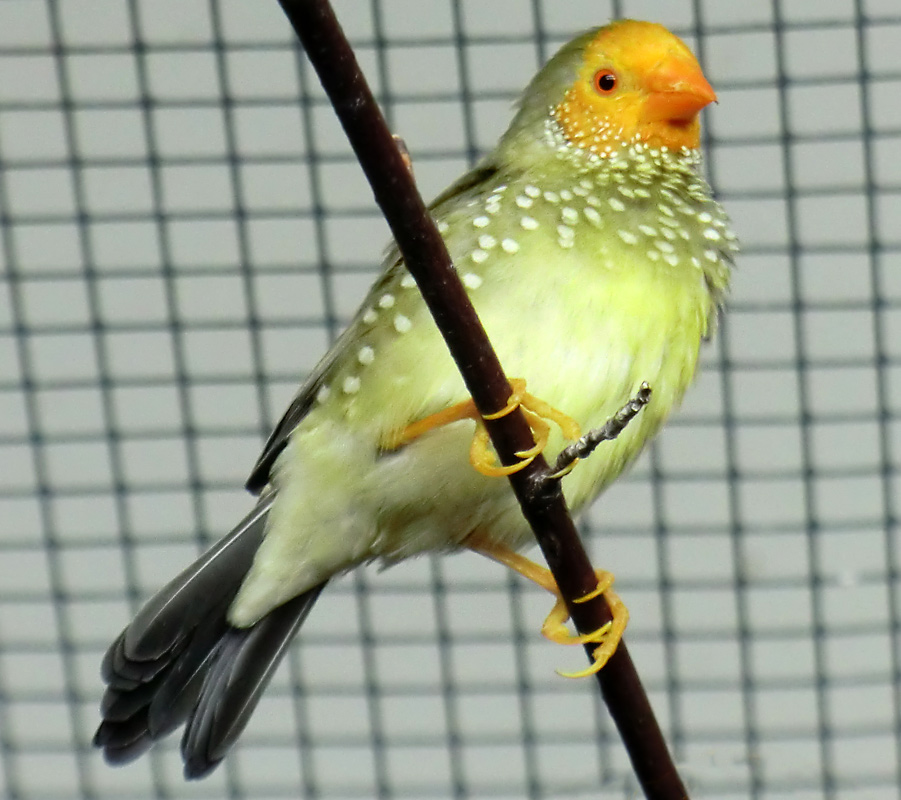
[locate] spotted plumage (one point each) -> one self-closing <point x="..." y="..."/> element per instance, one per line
<point x="597" y="259"/>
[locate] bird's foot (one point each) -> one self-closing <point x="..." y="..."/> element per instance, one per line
<point x="482" y="458"/>
<point x="537" y="414"/>
<point x="607" y="637"/>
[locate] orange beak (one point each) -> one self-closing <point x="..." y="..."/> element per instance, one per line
<point x="677" y="91"/>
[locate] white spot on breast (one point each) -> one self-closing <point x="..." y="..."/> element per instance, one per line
<point x="402" y="324"/>
<point x="524" y="202"/>
<point x="654" y="255"/>
<point x="481" y="222"/>
<point x="664" y="247"/>
<point x="386" y="301"/>
<point x="705" y="218"/>
<point x="479" y="256"/>
<point x="443" y="227"/>
<point x="565" y="232"/>
<point x="593" y="200"/>
<point x="408" y="282"/>
<point x="552" y="197"/>
<point x="616" y="204"/>
<point x="625" y="191"/>
<point x="570" y="215"/>
<point x="510" y="246"/>
<point x="532" y="191"/>
<point x="486" y="241"/>
<point x="366" y="355"/>
<point x="370" y="316"/>
<point x="663" y="208"/>
<point x="592" y="215"/>
<point x="323" y="394"/>
<point x="647" y="230"/>
<point x="471" y="280"/>
<point x="566" y="195"/>
<point x="672" y="259"/>
<point x="566" y="244"/>
<point x="627" y="236"/>
<point x="351" y="385"/>
<point x="712" y="234"/>
<point x="529" y="223"/>
<point x="712" y="255"/>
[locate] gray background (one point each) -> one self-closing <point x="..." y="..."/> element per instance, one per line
<point x="182" y="230"/>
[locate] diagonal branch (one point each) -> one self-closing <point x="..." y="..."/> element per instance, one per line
<point x="428" y="261"/>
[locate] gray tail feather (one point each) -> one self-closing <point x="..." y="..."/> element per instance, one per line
<point x="180" y="661"/>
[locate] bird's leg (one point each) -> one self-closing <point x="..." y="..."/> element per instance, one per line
<point x="607" y="637"/>
<point x="537" y="413"/>
<point x="455" y="413"/>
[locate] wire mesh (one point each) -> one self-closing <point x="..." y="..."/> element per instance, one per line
<point x="182" y="232"/>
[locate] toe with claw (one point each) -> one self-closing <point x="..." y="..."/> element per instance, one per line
<point x="607" y="637"/>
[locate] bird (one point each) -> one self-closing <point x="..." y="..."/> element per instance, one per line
<point x="598" y="260"/>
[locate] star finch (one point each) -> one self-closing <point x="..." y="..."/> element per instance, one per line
<point x="597" y="259"/>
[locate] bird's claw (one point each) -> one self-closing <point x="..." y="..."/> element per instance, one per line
<point x="537" y="413"/>
<point x="607" y="637"/>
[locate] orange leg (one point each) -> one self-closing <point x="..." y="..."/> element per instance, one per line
<point x="607" y="637"/>
<point x="464" y="410"/>
<point x="480" y="454"/>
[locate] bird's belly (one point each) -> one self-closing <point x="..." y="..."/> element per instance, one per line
<point x="344" y="501"/>
<point x="586" y="357"/>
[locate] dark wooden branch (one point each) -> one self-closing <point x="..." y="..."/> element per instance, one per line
<point x="428" y="261"/>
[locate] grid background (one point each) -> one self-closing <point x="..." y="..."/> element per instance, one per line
<point x="182" y="231"/>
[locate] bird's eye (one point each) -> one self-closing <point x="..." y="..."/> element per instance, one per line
<point x="605" y="81"/>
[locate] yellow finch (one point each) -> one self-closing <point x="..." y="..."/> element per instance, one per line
<point x="597" y="259"/>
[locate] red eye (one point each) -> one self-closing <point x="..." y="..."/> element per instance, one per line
<point x="605" y="81"/>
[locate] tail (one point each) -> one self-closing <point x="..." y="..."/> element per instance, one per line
<point x="180" y="661"/>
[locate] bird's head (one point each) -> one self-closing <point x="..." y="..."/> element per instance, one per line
<point x="628" y="82"/>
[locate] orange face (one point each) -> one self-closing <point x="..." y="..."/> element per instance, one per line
<point x="638" y="83"/>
